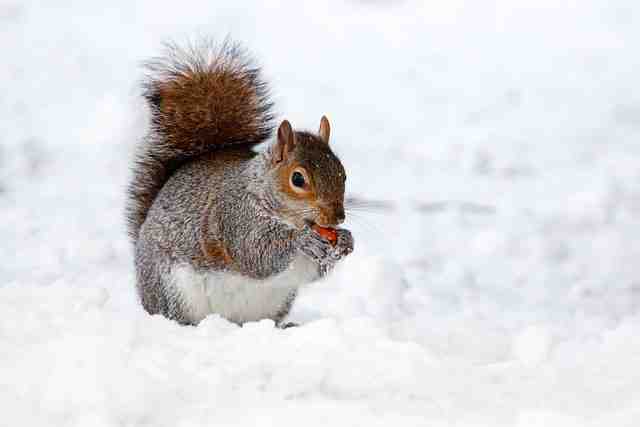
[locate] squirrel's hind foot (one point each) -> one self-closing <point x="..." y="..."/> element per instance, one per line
<point x="287" y="325"/>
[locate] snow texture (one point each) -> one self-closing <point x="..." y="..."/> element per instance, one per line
<point x="495" y="280"/>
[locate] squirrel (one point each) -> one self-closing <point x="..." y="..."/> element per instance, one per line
<point x="218" y="226"/>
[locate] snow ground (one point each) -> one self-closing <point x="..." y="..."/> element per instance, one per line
<point x="497" y="285"/>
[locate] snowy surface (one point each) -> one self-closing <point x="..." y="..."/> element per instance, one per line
<point x="497" y="283"/>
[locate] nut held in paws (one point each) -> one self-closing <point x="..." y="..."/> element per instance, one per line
<point x="326" y="232"/>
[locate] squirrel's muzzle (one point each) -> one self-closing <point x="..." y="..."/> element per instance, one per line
<point x="331" y="215"/>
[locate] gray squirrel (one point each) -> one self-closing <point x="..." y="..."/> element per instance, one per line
<point x="217" y="226"/>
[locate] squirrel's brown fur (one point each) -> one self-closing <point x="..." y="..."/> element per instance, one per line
<point x="201" y="98"/>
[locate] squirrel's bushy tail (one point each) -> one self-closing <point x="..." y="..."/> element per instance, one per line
<point x="202" y="97"/>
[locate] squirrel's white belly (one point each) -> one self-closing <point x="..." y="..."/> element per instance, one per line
<point x="236" y="297"/>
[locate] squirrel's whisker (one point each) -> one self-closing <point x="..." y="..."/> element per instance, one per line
<point x="372" y="206"/>
<point x="361" y="220"/>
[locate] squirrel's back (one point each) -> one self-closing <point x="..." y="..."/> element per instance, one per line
<point x="201" y="98"/>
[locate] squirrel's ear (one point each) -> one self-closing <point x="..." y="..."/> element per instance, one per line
<point x="325" y="129"/>
<point x="286" y="141"/>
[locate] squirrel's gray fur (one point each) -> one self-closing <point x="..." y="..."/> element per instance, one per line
<point x="205" y="209"/>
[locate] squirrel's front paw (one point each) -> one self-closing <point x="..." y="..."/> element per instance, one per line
<point x="344" y="244"/>
<point x="316" y="247"/>
<point x="323" y="252"/>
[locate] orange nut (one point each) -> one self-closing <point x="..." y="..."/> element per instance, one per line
<point x="328" y="233"/>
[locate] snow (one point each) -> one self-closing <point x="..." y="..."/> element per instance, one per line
<point x="495" y="284"/>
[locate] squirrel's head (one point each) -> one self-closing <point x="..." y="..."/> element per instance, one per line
<point x="309" y="176"/>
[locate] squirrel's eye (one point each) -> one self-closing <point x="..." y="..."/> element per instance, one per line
<point x="297" y="179"/>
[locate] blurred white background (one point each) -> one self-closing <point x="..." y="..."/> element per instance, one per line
<point x="495" y="283"/>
